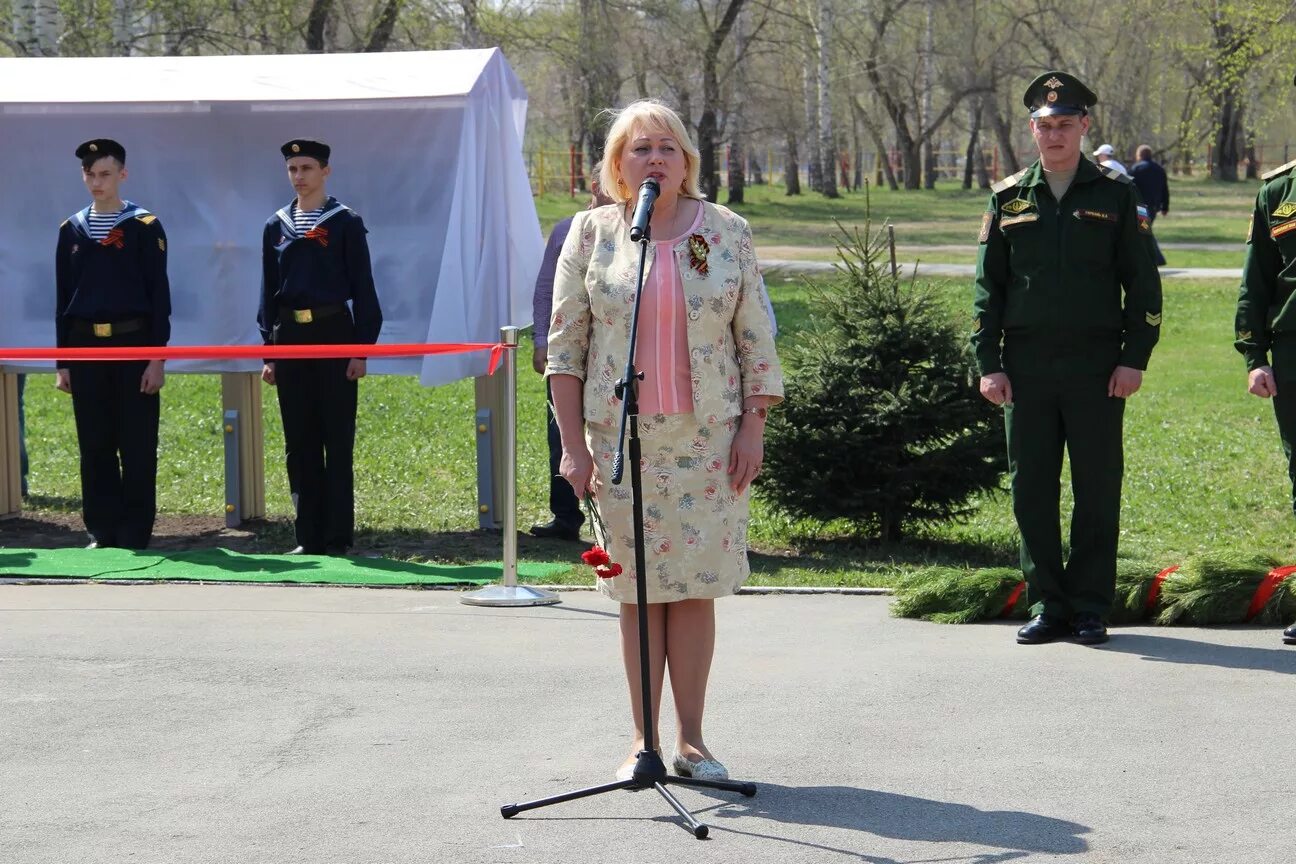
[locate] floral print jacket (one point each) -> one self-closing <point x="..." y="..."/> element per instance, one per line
<point x="731" y="341"/>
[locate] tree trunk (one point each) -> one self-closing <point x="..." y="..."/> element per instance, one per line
<point x="384" y="27"/>
<point x="737" y="119"/>
<point x="317" y="24"/>
<point x="708" y="128"/>
<point x="929" y="151"/>
<point x="1008" y="163"/>
<point x="758" y="173"/>
<point x="23" y="17"/>
<point x="910" y="159"/>
<point x="814" y="166"/>
<point x="1228" y="134"/>
<point x="887" y="172"/>
<point x="791" y="167"/>
<point x="1252" y="164"/>
<point x="471" y="24"/>
<point x="973" y="147"/>
<point x="828" y="144"/>
<point x="47" y="24"/>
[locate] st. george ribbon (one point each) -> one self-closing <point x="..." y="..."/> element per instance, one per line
<point x="648" y="192"/>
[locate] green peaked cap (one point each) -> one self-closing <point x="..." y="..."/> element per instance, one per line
<point x="1058" y="93"/>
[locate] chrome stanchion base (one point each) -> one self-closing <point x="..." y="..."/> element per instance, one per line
<point x="510" y="595"/>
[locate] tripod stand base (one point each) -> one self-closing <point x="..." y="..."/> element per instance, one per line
<point x="649" y="773"/>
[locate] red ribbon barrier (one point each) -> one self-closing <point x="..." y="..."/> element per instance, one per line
<point x="253" y="352"/>
<point x="1012" y="599"/>
<point x="1154" y="593"/>
<point x="1266" y="588"/>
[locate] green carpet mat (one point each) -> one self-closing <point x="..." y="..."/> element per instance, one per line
<point x="221" y="565"/>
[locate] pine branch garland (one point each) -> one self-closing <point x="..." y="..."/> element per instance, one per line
<point x="1207" y="589"/>
<point x="1214" y="588"/>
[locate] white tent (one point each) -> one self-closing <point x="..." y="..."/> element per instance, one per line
<point x="427" y="147"/>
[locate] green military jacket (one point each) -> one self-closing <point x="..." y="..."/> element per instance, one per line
<point x="1266" y="315"/>
<point x="1050" y="275"/>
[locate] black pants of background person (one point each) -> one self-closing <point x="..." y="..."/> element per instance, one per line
<point x="562" y="500"/>
<point x="117" y="435"/>
<point x="318" y="406"/>
<point x="1156" y="247"/>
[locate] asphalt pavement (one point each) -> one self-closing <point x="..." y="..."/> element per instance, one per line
<point x="274" y="725"/>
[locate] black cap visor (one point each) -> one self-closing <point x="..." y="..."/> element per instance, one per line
<point x="1055" y="109"/>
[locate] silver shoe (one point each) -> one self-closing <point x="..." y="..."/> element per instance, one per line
<point x="707" y="769"/>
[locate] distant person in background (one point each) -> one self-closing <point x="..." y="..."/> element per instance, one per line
<point x="1106" y="155"/>
<point x="1154" y="189"/>
<point x="563" y="504"/>
<point x="22" y="434"/>
<point x="112" y="291"/>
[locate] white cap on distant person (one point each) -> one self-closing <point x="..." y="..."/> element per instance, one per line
<point x="1105" y="150"/>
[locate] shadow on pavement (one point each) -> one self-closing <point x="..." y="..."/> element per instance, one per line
<point x="901" y="817"/>
<point x="1170" y="649"/>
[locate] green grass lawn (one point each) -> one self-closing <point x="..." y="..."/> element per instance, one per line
<point x="1203" y="465"/>
<point x="1201" y="211"/>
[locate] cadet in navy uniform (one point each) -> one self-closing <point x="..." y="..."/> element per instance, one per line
<point x="111" y="275"/>
<point x="317" y="288"/>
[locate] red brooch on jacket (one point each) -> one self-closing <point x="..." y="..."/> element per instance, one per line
<point x="698" y="251"/>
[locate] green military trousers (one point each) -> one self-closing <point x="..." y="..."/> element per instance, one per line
<point x="1284" y="404"/>
<point x="1072" y="411"/>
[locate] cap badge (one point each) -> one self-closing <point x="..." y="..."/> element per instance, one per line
<point x="1053" y="83"/>
<point x="94" y="148"/>
<point x="296" y="148"/>
<point x="1052" y="96"/>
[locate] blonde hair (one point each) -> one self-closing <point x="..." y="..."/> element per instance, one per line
<point x="648" y="115"/>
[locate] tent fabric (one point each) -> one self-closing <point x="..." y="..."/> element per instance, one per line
<point x="427" y="148"/>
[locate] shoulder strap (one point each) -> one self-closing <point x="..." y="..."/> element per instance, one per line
<point x="1009" y="181"/>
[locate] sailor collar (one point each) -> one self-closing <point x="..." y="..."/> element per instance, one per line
<point x="130" y="210"/>
<point x="331" y="209"/>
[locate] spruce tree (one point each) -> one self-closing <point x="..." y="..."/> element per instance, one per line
<point x="883" y="424"/>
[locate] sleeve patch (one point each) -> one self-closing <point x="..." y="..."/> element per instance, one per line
<point x="1144" y="220"/>
<point x="161" y="244"/>
<point x="1283" y="228"/>
<point x="987" y="219"/>
<point x="1243" y="335"/>
<point x="1250" y="227"/>
<point x="976" y="324"/>
<point x="1153" y="319"/>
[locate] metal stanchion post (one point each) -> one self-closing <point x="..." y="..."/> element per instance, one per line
<point x="508" y="592"/>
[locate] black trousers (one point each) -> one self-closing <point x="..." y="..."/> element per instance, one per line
<point x="562" y="500"/>
<point x="318" y="406"/>
<point x="117" y="436"/>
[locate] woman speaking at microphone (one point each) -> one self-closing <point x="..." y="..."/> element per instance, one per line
<point x="705" y="347"/>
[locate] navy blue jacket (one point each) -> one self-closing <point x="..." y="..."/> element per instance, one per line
<point x="329" y="265"/>
<point x="121" y="277"/>
<point x="1150" y="178"/>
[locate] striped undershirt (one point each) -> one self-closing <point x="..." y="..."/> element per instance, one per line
<point x="304" y="220"/>
<point x="102" y="223"/>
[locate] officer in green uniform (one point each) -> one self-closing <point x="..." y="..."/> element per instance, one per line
<point x="1066" y="311"/>
<point x="1266" y="314"/>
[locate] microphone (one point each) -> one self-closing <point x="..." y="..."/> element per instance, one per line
<point x="648" y="192"/>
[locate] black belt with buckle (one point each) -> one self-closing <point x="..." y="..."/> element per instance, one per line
<point x="309" y="316"/>
<point x="106" y="329"/>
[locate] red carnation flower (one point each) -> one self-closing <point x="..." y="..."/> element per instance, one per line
<point x="595" y="557"/>
<point x="608" y="571"/>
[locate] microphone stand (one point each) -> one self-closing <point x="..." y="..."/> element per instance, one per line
<point x="649" y="770"/>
